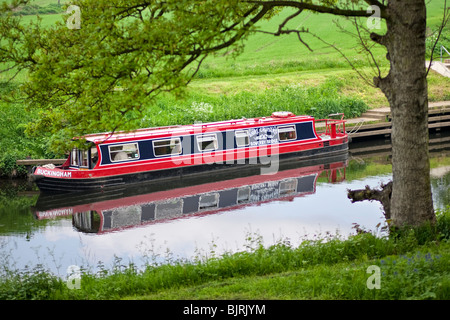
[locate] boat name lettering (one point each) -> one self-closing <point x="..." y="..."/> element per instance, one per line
<point x="55" y="213"/>
<point x="51" y="173"/>
<point x="263" y="136"/>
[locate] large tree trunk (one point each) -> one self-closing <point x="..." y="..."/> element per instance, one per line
<point x="406" y="90"/>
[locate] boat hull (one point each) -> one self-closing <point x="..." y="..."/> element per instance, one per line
<point x="55" y="184"/>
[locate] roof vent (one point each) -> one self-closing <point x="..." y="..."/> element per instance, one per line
<point x="282" y="114"/>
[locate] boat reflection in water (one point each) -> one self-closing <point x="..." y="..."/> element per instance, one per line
<point x="114" y="210"/>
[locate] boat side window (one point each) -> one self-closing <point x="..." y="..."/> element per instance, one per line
<point x="242" y="138"/>
<point x="167" y="147"/>
<point x="207" y="142"/>
<point x="121" y="152"/>
<point x="287" y="133"/>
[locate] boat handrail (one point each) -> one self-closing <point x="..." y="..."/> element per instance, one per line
<point x="177" y="128"/>
<point x="334" y="126"/>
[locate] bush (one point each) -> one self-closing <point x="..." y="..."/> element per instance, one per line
<point x="15" y="143"/>
<point x="444" y="40"/>
<point x="29" y="284"/>
<point x="411" y="237"/>
<point x="9" y="168"/>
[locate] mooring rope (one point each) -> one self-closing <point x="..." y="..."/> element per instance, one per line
<point x="356" y="127"/>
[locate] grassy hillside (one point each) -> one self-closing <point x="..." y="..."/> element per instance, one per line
<point x="267" y="54"/>
<point x="271" y="66"/>
<point x="268" y="61"/>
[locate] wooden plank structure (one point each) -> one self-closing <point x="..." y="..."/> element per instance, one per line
<point x="30" y="163"/>
<point x="436" y="144"/>
<point x="38" y="162"/>
<point x="438" y="118"/>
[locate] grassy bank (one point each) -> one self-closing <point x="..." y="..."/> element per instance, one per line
<point x="413" y="265"/>
<point x="197" y="105"/>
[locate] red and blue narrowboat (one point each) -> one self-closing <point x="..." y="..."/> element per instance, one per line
<point x="124" y="158"/>
<point x="114" y="210"/>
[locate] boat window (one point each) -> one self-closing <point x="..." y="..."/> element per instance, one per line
<point x="167" y="147"/>
<point x="94" y="157"/>
<point x="87" y="221"/>
<point x="169" y="209"/>
<point x="129" y="151"/>
<point x="74" y="157"/>
<point x="243" y="194"/>
<point x="207" y="142"/>
<point x="84" y="159"/>
<point x="288" y="186"/>
<point x="208" y="201"/>
<point x="287" y="133"/>
<point x="242" y="138"/>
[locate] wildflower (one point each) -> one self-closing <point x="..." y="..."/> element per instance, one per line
<point x="201" y="107"/>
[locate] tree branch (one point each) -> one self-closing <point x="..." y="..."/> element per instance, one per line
<point x="292" y="16"/>
<point x="375" y="3"/>
<point x="345" y="57"/>
<point x="383" y="196"/>
<point x="445" y="20"/>
<point x="5" y="7"/>
<point x="322" y="8"/>
<point x="240" y="34"/>
<point x="366" y="48"/>
<point x="280" y="30"/>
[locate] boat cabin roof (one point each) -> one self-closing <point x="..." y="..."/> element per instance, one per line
<point x="157" y="132"/>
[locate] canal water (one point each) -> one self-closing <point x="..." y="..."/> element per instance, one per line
<point x="200" y="218"/>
